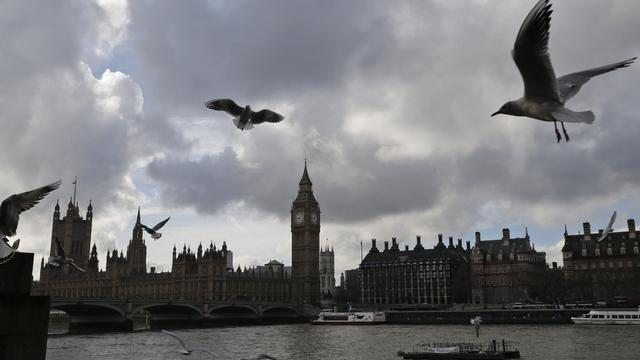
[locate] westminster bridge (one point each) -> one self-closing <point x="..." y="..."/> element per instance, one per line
<point x="118" y="314"/>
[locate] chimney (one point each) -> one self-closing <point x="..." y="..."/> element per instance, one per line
<point x="418" y="244"/>
<point x="418" y="240"/>
<point x="468" y="245"/>
<point x="632" y="225"/>
<point x="506" y="235"/>
<point x="394" y="244"/>
<point x="451" y="243"/>
<point x="478" y="238"/>
<point x="439" y="239"/>
<point x="153" y="269"/>
<point x="406" y="248"/>
<point x="373" y="246"/>
<point x="554" y="265"/>
<point x="386" y="246"/>
<point x="459" y="244"/>
<point x="587" y="228"/>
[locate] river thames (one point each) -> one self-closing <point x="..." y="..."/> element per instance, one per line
<point x="302" y="341"/>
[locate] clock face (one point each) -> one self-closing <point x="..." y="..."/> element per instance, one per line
<point x="314" y="217"/>
<point x="298" y="217"/>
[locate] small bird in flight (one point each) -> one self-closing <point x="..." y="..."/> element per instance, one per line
<point x="262" y="356"/>
<point x="14" y="205"/>
<point x="184" y="350"/>
<point x="244" y="118"/>
<point x="60" y="259"/>
<point x="154" y="230"/>
<point x="609" y="227"/>
<point x="544" y="94"/>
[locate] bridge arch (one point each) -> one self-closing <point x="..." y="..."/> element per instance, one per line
<point x="169" y="308"/>
<point x="279" y="311"/>
<point x="233" y="310"/>
<point x="88" y="309"/>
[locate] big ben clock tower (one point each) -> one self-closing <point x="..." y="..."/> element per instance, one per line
<point x="305" y="244"/>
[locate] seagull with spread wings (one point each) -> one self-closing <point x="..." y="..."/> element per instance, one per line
<point x="544" y="94"/>
<point x="184" y="350"/>
<point x="609" y="227"/>
<point x="10" y="211"/>
<point x="60" y="259"/>
<point x="154" y="230"/>
<point x="243" y="118"/>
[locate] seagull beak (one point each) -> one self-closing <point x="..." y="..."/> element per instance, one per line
<point x="495" y="113"/>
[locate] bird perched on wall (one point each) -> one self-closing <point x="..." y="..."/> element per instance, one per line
<point x="244" y="118"/>
<point x="184" y="350"/>
<point x="544" y="94"/>
<point x="60" y="259"/>
<point x="154" y="230"/>
<point x="14" y="205"/>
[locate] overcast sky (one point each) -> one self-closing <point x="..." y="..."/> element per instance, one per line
<point x="388" y="100"/>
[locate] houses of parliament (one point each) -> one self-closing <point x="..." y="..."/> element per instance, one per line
<point x="205" y="274"/>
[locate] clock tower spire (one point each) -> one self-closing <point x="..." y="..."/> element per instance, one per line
<point x="305" y="243"/>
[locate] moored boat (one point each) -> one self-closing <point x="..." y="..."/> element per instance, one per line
<point x="349" y="318"/>
<point x="609" y="317"/>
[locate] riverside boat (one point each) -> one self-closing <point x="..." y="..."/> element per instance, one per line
<point x="609" y="317"/>
<point x="349" y="318"/>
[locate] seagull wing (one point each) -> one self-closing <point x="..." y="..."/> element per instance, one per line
<point x="59" y="249"/>
<point x="265" y="356"/>
<point x="12" y="206"/>
<point x="266" y="115"/>
<point x="609" y="227"/>
<point x="184" y="347"/>
<point x="147" y="229"/>
<point x="531" y="55"/>
<point x="161" y="224"/>
<point x="570" y="84"/>
<point x="76" y="266"/>
<point x="226" y="105"/>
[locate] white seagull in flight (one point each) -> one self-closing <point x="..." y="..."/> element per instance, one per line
<point x="609" y="227"/>
<point x="185" y="350"/>
<point x="60" y="258"/>
<point x="544" y="94"/>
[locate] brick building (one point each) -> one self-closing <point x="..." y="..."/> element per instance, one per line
<point x="507" y="270"/>
<point x="602" y="271"/>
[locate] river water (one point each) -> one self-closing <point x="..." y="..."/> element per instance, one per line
<point x="303" y="341"/>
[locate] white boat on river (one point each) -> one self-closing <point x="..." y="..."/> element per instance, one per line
<point x="609" y="317"/>
<point x="349" y="318"/>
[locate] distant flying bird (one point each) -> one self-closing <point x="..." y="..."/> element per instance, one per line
<point x="244" y="118"/>
<point x="154" y="230"/>
<point x="14" y="205"/>
<point x="262" y="356"/>
<point x="609" y="227"/>
<point x="476" y="323"/>
<point x="60" y="259"/>
<point x="185" y="350"/>
<point x="544" y="95"/>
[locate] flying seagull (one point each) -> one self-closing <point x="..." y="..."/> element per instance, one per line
<point x="184" y="350"/>
<point x="544" y="94"/>
<point x="262" y="356"/>
<point x="6" y="251"/>
<point x="60" y="258"/>
<point x="609" y="227"/>
<point x="244" y="118"/>
<point x="154" y="230"/>
<point x="476" y="322"/>
<point x="14" y="205"/>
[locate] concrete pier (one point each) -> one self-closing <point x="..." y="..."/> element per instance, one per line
<point x="24" y="319"/>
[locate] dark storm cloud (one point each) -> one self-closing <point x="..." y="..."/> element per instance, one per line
<point x="392" y="100"/>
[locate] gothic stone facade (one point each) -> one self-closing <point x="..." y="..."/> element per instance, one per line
<point x="203" y="275"/>
<point x="437" y="276"/>
<point x="506" y="270"/>
<point x="605" y="271"/>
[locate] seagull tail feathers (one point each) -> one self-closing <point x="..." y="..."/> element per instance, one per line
<point x="566" y="115"/>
